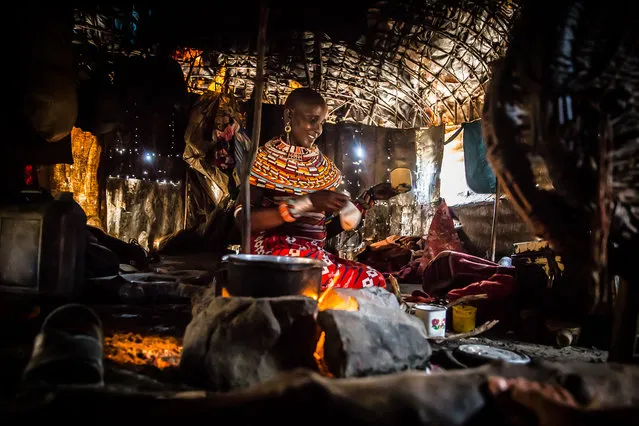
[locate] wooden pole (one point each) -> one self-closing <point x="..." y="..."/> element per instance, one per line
<point x="493" y="231"/>
<point x="257" y="124"/>
<point x="186" y="199"/>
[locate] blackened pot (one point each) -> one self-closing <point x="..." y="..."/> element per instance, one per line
<point x="252" y="275"/>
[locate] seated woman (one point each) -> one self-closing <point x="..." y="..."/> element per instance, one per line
<point x="294" y="205"/>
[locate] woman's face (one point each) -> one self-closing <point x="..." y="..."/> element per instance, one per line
<point x="306" y="123"/>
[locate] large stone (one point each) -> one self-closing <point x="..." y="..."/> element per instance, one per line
<point x="238" y="342"/>
<point x="364" y="343"/>
<point x="370" y="299"/>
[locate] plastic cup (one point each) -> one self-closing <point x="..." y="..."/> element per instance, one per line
<point x="464" y="318"/>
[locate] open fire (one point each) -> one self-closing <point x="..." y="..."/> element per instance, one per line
<point x="331" y="299"/>
<point x="341" y="333"/>
<point x="163" y="352"/>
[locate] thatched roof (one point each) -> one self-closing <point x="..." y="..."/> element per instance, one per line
<point x="400" y="64"/>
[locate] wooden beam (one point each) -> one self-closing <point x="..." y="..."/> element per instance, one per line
<point x="257" y="124"/>
<point x="318" y="41"/>
<point x="493" y="230"/>
<point x="306" y="68"/>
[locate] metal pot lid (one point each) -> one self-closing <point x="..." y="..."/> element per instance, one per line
<point x="491" y="353"/>
<point x="429" y="307"/>
<point x="286" y="262"/>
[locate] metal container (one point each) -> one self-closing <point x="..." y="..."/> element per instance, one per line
<point x="401" y="179"/>
<point x="252" y="275"/>
<point x="434" y="318"/>
<point x="42" y="245"/>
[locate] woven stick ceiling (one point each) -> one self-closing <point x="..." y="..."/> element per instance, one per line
<point x="416" y="63"/>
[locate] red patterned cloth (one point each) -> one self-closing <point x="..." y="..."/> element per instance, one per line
<point x="337" y="272"/>
<point x="305" y="238"/>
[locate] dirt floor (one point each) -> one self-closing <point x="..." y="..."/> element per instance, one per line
<point x="533" y="350"/>
<point x="143" y="337"/>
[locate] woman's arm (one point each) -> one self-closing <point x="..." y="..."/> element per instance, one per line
<point x="261" y="218"/>
<point x="272" y="217"/>
<point x="265" y="218"/>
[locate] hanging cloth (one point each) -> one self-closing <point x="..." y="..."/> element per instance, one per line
<point x="479" y="175"/>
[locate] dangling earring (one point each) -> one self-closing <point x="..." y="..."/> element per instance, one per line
<point x="287" y="129"/>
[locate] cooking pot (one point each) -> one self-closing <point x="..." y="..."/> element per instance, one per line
<point x="252" y="275"/>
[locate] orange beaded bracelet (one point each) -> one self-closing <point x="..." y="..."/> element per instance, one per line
<point x="285" y="213"/>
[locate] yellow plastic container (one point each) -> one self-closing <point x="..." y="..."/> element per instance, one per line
<point x="464" y="318"/>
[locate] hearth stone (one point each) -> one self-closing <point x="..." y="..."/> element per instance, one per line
<point x="238" y="342"/>
<point x="370" y="299"/>
<point x="365" y="343"/>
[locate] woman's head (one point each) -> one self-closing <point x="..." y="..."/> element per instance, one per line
<point x="304" y="111"/>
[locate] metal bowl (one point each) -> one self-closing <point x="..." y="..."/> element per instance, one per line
<point x="252" y="275"/>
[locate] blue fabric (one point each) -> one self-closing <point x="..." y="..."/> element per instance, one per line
<point x="479" y="175"/>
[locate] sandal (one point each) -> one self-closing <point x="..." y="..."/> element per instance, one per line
<point x="68" y="350"/>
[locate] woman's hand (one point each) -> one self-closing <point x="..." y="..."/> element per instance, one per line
<point x="328" y="200"/>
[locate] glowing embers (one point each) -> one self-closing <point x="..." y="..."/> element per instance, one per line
<point x="131" y="348"/>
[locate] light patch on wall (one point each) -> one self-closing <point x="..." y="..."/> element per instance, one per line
<point x="454" y="188"/>
<point x="218" y="82"/>
<point x="81" y="177"/>
<point x="144" y="211"/>
<point x="428" y="152"/>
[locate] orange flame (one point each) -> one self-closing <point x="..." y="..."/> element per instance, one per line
<point x="319" y="357"/>
<point x="331" y="299"/>
<point x="310" y="293"/>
